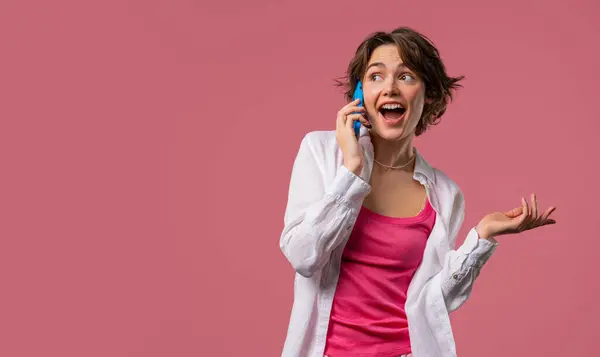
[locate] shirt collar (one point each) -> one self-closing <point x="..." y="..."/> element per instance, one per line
<point x="422" y="167"/>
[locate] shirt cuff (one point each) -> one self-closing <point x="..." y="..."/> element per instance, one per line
<point x="478" y="249"/>
<point x="349" y="187"/>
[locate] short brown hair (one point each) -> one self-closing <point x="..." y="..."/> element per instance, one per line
<point x="420" y="55"/>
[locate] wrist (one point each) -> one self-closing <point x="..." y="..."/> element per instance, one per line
<point x="355" y="166"/>
<point x="482" y="232"/>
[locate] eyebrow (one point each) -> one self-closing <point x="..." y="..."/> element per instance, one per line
<point x="381" y="64"/>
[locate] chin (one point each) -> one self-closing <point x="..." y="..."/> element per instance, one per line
<point x="391" y="134"/>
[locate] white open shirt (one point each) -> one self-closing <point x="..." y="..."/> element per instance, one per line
<point x="323" y="204"/>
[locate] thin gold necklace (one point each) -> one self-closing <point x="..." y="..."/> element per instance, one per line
<point x="396" y="167"/>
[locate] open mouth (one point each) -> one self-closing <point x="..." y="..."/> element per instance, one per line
<point x="392" y="112"/>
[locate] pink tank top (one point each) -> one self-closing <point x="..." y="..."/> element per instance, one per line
<point x="382" y="254"/>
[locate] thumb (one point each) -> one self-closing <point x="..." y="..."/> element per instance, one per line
<point x="514" y="213"/>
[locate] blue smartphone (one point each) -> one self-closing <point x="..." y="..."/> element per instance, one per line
<point x="358" y="94"/>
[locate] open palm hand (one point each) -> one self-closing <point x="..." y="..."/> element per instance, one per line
<point x="519" y="219"/>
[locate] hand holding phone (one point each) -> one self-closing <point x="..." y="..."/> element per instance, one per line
<point x="348" y="121"/>
<point x="358" y="94"/>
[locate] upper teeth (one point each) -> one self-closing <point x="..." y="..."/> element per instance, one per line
<point x="391" y="106"/>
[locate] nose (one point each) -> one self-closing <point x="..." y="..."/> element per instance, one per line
<point x="390" y="88"/>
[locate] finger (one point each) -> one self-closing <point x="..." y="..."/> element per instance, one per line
<point x="359" y="117"/>
<point x="339" y="122"/>
<point x="548" y="222"/>
<point x="547" y="214"/>
<point x="534" y="207"/>
<point x="515" y="212"/>
<point x="353" y="103"/>
<point x="345" y="111"/>
<point x="543" y="217"/>
<point x="350" y="127"/>
<point x="342" y="116"/>
<point x="352" y="110"/>
<point x="528" y="219"/>
<point x="523" y="219"/>
<point x="350" y="121"/>
<point x="525" y="208"/>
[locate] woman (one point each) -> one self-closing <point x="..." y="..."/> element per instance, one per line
<point x="370" y="226"/>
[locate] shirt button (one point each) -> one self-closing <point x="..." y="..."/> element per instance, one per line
<point x="455" y="277"/>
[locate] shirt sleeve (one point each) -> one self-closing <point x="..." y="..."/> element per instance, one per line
<point x="462" y="266"/>
<point x="318" y="217"/>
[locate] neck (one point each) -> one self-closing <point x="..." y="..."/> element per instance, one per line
<point x="393" y="152"/>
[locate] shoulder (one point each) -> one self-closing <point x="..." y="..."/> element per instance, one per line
<point x="320" y="138"/>
<point x="442" y="178"/>
<point x="319" y="143"/>
<point x="317" y="159"/>
<point x="448" y="185"/>
<point x="451" y="201"/>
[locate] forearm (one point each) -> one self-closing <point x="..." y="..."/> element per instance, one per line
<point x="463" y="266"/>
<point x="313" y="231"/>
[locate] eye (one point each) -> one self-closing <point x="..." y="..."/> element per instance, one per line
<point x="375" y="77"/>
<point x="407" y="77"/>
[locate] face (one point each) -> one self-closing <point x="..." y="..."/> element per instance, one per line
<point x="393" y="94"/>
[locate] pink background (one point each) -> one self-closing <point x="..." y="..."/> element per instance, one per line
<point x="146" y="148"/>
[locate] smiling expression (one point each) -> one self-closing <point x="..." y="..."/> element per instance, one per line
<point x="393" y="94"/>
